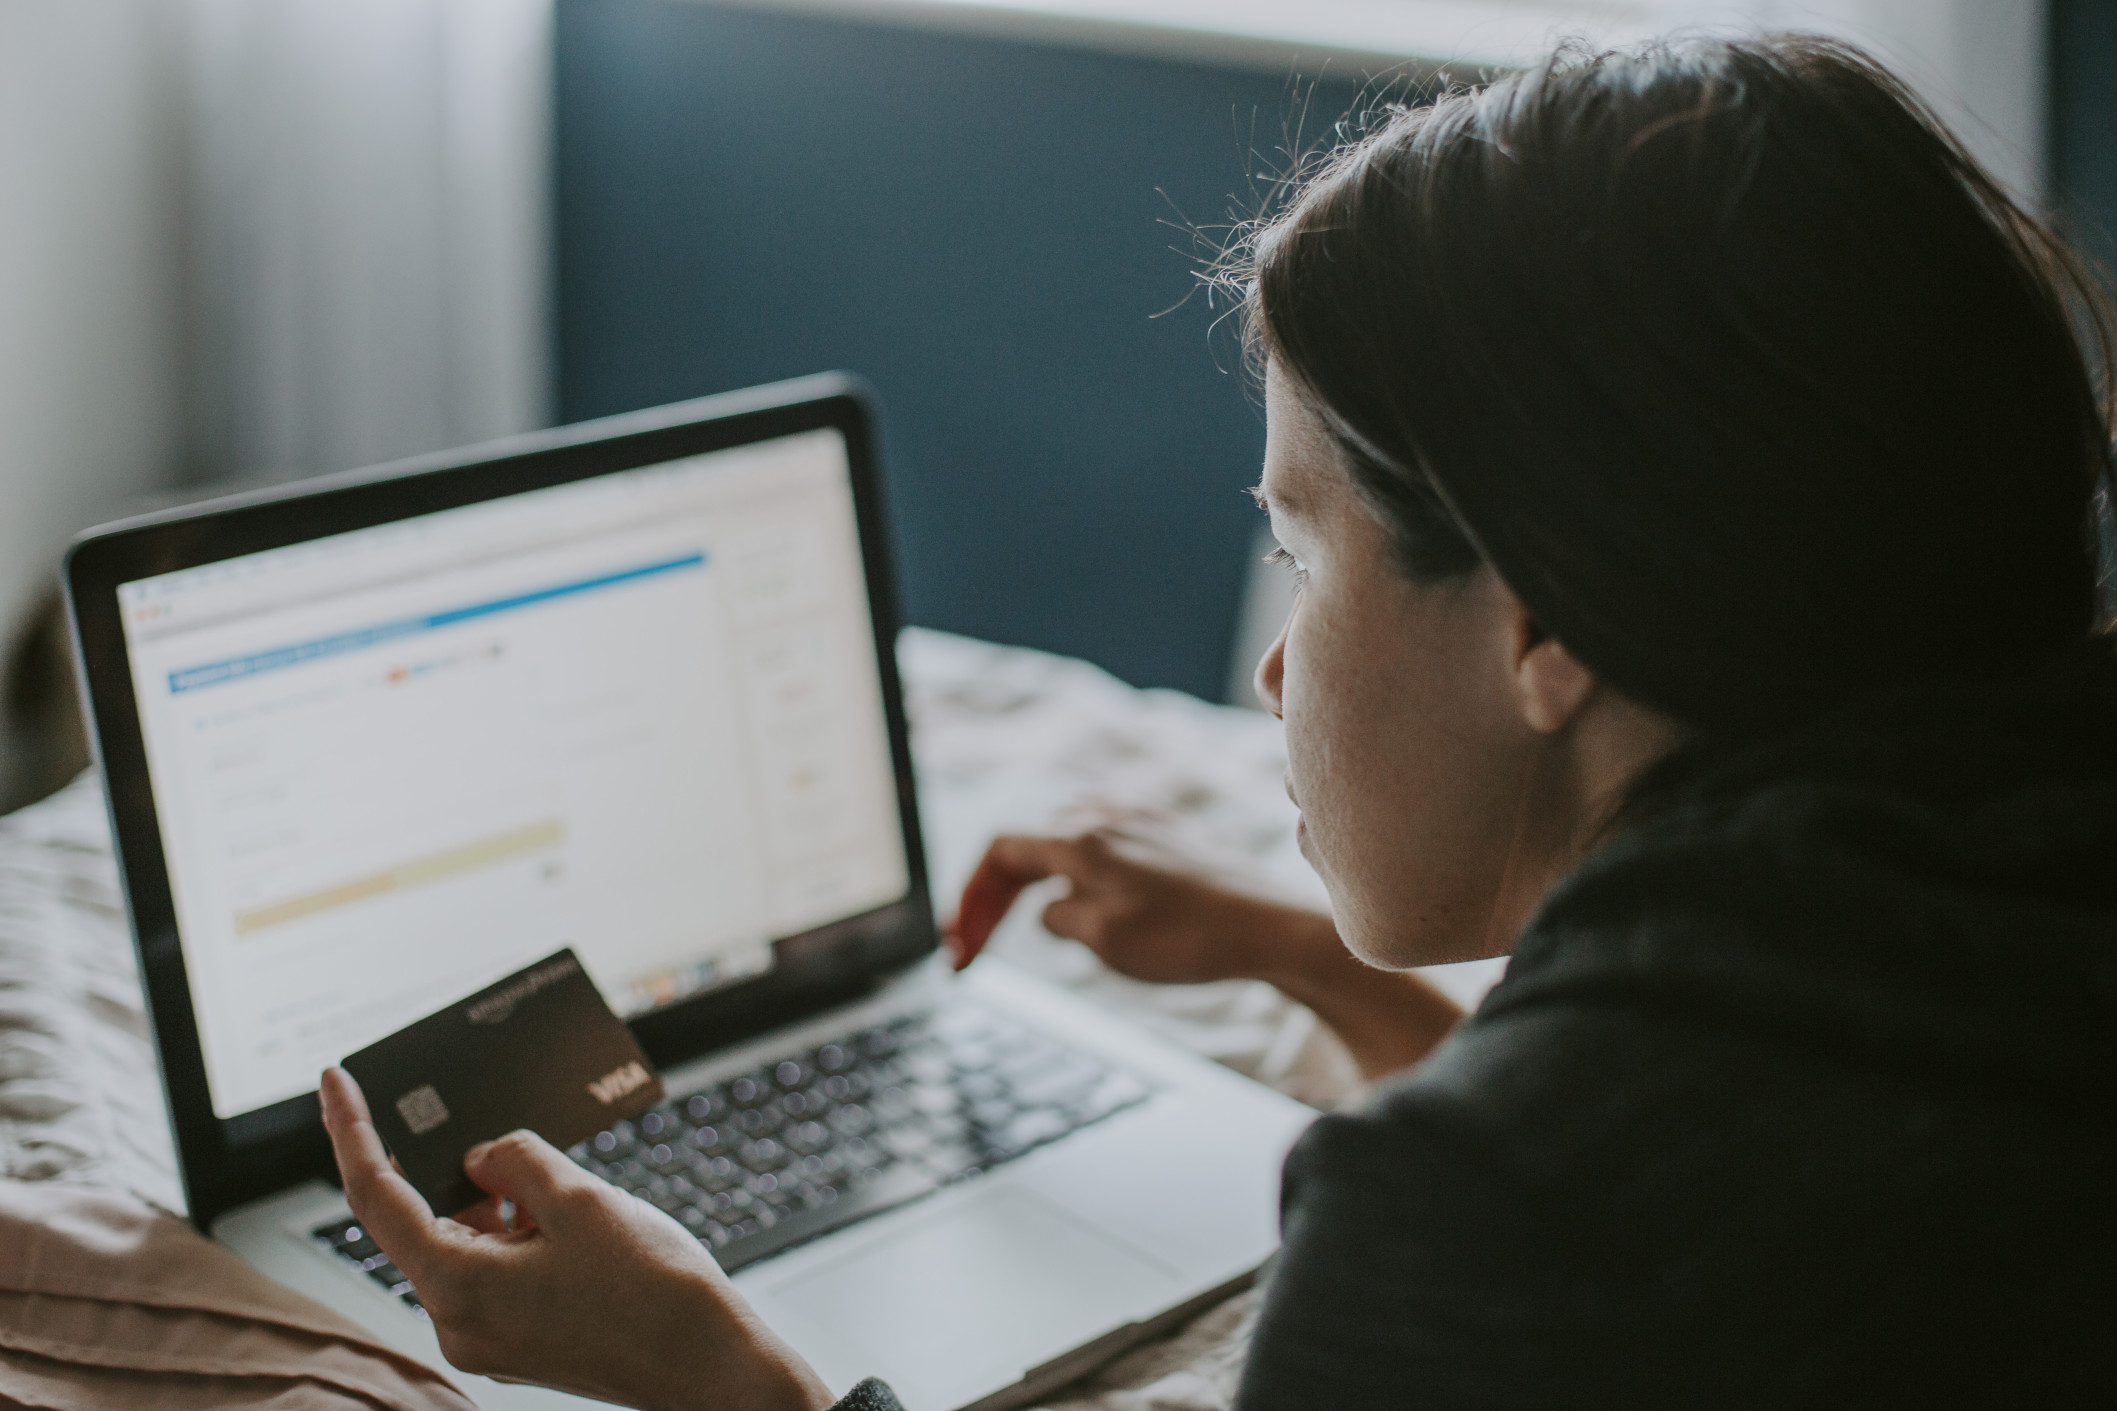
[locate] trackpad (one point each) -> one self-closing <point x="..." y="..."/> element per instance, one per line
<point x="950" y="1308"/>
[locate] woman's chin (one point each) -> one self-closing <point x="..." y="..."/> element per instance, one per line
<point x="1357" y="944"/>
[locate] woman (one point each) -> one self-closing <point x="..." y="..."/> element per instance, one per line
<point x="1690" y="463"/>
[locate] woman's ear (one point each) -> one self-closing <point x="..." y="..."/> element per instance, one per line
<point x="1550" y="683"/>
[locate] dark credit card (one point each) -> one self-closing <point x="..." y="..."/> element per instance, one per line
<point x="539" y="1049"/>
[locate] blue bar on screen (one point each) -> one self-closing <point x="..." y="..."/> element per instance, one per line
<point x="193" y="678"/>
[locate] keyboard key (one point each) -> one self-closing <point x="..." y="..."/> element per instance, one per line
<point x="1034" y="1129"/>
<point x="766" y="1155"/>
<point x="1118" y="1090"/>
<point x="908" y="1141"/>
<point x="1056" y="1084"/>
<point x="980" y="1087"/>
<point x="950" y="1158"/>
<point x="991" y="1114"/>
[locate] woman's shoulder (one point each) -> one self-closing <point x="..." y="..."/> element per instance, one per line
<point x="1594" y="1113"/>
<point x="1581" y="1192"/>
<point x="1926" y="886"/>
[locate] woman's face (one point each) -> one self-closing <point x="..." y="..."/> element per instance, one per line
<point x="1428" y="801"/>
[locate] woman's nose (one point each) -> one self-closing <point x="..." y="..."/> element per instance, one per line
<point x="1271" y="670"/>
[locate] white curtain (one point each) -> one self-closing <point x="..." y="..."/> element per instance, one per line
<point x="89" y="395"/>
<point x="260" y="238"/>
<point x="369" y="229"/>
<point x="1980" y="63"/>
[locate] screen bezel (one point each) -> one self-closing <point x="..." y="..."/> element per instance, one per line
<point x="228" y="1162"/>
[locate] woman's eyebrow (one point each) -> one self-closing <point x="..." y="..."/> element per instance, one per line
<point x="1281" y="500"/>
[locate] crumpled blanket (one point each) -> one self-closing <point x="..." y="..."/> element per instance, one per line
<point x="1003" y="739"/>
<point x="80" y="1094"/>
<point x="107" y="1303"/>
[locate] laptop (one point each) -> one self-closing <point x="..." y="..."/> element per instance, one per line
<point x="373" y="741"/>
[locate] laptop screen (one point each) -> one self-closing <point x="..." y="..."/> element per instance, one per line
<point x="638" y="714"/>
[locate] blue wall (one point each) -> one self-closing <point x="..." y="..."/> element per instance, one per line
<point x="975" y="225"/>
<point x="2084" y="120"/>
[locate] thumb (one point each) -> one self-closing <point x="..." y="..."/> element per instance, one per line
<point x="526" y="1169"/>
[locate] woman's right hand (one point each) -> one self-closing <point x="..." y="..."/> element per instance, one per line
<point x="1144" y="916"/>
<point x="1153" y="921"/>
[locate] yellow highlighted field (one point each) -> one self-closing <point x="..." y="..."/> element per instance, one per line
<point x="434" y="867"/>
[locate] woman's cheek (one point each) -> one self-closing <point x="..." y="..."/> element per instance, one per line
<point x="1342" y="768"/>
<point x="1302" y="787"/>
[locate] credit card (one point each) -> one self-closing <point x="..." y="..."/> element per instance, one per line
<point x="539" y="1049"/>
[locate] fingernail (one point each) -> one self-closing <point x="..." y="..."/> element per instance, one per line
<point x="477" y="1153"/>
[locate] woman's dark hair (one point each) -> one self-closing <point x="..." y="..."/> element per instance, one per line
<point x="1750" y="383"/>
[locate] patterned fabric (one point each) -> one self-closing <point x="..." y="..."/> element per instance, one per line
<point x="80" y="1098"/>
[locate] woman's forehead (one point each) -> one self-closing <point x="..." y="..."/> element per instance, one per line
<point x="1298" y="445"/>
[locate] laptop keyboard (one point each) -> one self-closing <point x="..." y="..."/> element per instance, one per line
<point x="797" y="1148"/>
<point x="349" y="1241"/>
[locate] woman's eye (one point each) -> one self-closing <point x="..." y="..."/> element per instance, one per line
<point x="1286" y="560"/>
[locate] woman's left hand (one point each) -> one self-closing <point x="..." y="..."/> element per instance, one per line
<point x="593" y="1291"/>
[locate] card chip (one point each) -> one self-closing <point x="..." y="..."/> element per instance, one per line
<point x="422" y="1109"/>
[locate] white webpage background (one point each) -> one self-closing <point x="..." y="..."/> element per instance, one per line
<point x="665" y="770"/>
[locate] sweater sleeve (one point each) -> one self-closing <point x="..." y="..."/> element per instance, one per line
<point x="871" y="1395"/>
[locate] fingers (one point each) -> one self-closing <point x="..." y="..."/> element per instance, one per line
<point x="1076" y="919"/>
<point x="526" y="1169"/>
<point x="487" y="1217"/>
<point x="383" y="1201"/>
<point x="1009" y="865"/>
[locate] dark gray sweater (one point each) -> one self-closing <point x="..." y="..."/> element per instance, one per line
<point x="1803" y="1094"/>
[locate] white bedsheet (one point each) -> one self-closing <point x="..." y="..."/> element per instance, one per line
<point x="80" y="1099"/>
<point x="1003" y="739"/>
